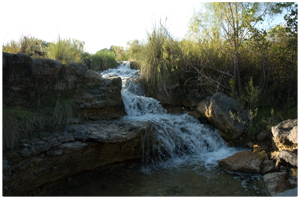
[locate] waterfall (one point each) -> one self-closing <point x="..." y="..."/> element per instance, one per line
<point x="177" y="139"/>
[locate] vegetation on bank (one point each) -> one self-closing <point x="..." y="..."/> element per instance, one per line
<point x="224" y="50"/>
<point x="227" y="50"/>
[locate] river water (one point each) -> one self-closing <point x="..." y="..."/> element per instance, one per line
<point x="185" y="162"/>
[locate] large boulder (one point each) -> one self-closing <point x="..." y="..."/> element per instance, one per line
<point x="285" y="135"/>
<point x="220" y="110"/>
<point x="242" y="162"/>
<point x="276" y="182"/>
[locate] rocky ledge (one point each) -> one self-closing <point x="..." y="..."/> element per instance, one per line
<point x="79" y="147"/>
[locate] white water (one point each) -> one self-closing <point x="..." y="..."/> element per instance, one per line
<point x="179" y="139"/>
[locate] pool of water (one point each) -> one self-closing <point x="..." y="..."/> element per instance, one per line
<point x="135" y="180"/>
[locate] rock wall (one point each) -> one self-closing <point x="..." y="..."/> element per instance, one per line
<point x="50" y="156"/>
<point x="34" y="81"/>
<point x="79" y="147"/>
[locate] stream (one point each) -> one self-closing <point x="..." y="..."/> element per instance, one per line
<point x="185" y="161"/>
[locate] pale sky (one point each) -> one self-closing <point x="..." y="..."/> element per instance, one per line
<point x="99" y="24"/>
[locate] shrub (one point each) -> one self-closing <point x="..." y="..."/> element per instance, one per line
<point x="103" y="60"/>
<point x="66" y="51"/>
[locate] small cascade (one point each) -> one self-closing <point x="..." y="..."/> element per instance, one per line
<point x="176" y="139"/>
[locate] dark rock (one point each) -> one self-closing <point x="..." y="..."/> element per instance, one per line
<point x="15" y="67"/>
<point x="55" y="152"/>
<point x="290" y="192"/>
<point x="263" y="135"/>
<point x="268" y="166"/>
<point x="64" y="139"/>
<point x="276" y="182"/>
<point x="289" y="157"/>
<point x="244" y="161"/>
<point x="219" y="110"/>
<point x="103" y="102"/>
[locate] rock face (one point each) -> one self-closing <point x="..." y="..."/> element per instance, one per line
<point x="219" y="108"/>
<point x="285" y="135"/>
<point x="244" y="162"/>
<point x="103" y="102"/>
<point x="37" y="81"/>
<point x="276" y="182"/>
<point x="80" y="147"/>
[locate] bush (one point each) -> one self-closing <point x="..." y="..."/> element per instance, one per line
<point x="36" y="48"/>
<point x="103" y="60"/>
<point x="66" y="51"/>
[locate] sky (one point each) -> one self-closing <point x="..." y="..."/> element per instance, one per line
<point x="99" y="24"/>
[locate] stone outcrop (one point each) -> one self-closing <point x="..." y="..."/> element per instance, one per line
<point x="102" y="102"/>
<point x="219" y="110"/>
<point x="285" y="135"/>
<point x="38" y="81"/>
<point x="242" y="162"/>
<point x="80" y="147"/>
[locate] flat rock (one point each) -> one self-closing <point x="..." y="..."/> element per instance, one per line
<point x="72" y="146"/>
<point x="244" y="161"/>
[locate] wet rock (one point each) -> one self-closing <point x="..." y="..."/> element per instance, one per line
<point x="244" y="161"/>
<point x="276" y="182"/>
<point x="289" y="157"/>
<point x="219" y="109"/>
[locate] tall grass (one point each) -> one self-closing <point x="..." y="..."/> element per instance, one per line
<point x="103" y="60"/>
<point x="66" y="50"/>
<point x="34" y="47"/>
<point x="20" y="122"/>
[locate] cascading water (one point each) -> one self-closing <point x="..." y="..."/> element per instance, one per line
<point x="178" y="139"/>
<point x="180" y="156"/>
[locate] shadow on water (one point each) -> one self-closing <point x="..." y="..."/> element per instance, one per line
<point x="130" y="180"/>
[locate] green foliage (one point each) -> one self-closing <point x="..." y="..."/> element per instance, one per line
<point x="158" y="62"/>
<point x="66" y="50"/>
<point x="28" y="45"/>
<point x="120" y="53"/>
<point x="20" y="122"/>
<point x="103" y="60"/>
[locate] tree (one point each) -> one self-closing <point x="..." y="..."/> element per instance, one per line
<point x="227" y="25"/>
